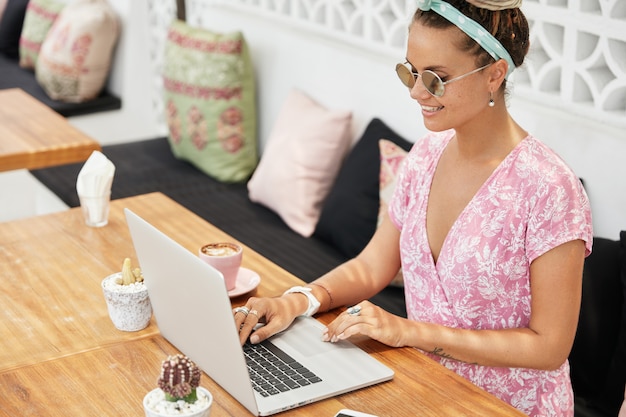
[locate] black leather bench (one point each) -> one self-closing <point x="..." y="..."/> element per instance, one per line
<point x="13" y="76"/>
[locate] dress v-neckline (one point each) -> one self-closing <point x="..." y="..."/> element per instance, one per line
<point x="462" y="213"/>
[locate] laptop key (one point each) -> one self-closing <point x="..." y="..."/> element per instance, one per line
<point x="273" y="371"/>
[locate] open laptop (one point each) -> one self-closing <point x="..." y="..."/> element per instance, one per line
<point x="193" y="311"/>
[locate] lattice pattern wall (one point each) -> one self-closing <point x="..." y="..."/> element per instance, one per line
<point x="161" y="14"/>
<point x="578" y="47"/>
<point x="578" y="57"/>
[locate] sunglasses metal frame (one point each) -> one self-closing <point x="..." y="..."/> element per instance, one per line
<point x="436" y="87"/>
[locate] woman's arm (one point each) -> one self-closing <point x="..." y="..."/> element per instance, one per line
<point x="556" y="282"/>
<point x="355" y="280"/>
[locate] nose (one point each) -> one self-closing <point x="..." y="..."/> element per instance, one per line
<point x="418" y="91"/>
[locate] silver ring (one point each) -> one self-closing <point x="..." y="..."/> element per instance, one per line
<point x="256" y="313"/>
<point x="354" y="311"/>
<point x="245" y="310"/>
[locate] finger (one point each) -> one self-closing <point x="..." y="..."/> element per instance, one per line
<point x="269" y="329"/>
<point x="246" y="328"/>
<point x="240" y="314"/>
<point x="345" y="325"/>
<point x="339" y="326"/>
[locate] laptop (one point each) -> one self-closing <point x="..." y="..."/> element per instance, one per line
<point x="193" y="312"/>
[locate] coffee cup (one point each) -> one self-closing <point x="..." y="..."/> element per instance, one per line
<point x="226" y="258"/>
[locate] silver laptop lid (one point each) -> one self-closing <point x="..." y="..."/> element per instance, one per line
<point x="193" y="311"/>
<point x="205" y="332"/>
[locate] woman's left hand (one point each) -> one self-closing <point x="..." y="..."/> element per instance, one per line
<point x="369" y="320"/>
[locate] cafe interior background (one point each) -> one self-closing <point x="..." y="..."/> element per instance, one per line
<point x="571" y="93"/>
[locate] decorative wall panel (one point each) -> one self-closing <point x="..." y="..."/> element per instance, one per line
<point x="577" y="61"/>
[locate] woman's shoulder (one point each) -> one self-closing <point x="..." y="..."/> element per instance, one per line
<point x="538" y="160"/>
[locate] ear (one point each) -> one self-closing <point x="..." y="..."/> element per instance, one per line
<point x="497" y="72"/>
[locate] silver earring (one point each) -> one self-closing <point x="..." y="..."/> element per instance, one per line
<point x="491" y="102"/>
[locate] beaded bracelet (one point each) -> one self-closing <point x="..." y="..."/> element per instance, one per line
<point x="330" y="297"/>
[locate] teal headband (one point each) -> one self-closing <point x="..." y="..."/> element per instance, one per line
<point x="473" y="29"/>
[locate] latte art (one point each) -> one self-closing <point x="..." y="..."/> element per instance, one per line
<point x="220" y="249"/>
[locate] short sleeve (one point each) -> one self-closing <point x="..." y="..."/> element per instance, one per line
<point x="559" y="209"/>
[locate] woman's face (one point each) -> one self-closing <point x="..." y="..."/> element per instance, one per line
<point x="463" y="100"/>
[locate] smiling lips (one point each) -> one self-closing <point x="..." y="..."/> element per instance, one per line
<point x="430" y="109"/>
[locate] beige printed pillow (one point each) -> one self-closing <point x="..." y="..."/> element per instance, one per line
<point x="75" y="57"/>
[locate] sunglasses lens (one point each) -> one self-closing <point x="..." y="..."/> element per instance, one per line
<point x="405" y="75"/>
<point x="433" y="83"/>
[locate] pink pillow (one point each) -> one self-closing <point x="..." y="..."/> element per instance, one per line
<point x="391" y="158"/>
<point x="301" y="160"/>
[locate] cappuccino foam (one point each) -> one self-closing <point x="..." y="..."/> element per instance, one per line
<point x="220" y="249"/>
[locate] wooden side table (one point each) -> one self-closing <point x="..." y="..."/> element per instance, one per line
<point x="34" y="136"/>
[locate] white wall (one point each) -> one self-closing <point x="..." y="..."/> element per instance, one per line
<point x="343" y="75"/>
<point x="131" y="79"/>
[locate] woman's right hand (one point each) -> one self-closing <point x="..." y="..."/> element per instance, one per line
<point x="276" y="314"/>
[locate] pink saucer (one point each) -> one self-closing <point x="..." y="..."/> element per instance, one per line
<point x="247" y="280"/>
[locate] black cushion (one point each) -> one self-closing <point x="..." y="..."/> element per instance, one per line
<point x="11" y="25"/>
<point x="13" y="76"/>
<point x="350" y="212"/>
<point x="598" y="369"/>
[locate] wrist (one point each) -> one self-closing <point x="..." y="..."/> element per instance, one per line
<point x="313" y="303"/>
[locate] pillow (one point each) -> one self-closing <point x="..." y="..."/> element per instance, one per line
<point x="11" y="25"/>
<point x="349" y="215"/>
<point x="3" y="5"/>
<point x="75" y="57"/>
<point x="391" y="158"/>
<point x="304" y="152"/>
<point x="209" y="95"/>
<point x="40" y="15"/>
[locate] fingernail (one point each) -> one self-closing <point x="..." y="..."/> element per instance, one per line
<point x="254" y="339"/>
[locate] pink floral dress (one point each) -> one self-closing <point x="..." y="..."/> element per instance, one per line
<point x="530" y="204"/>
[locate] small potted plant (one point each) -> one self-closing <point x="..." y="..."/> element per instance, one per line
<point x="179" y="392"/>
<point x="127" y="298"/>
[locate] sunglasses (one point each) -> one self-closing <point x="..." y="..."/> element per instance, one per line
<point x="432" y="82"/>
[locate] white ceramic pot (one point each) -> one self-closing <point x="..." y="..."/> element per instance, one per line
<point x="155" y="405"/>
<point x="129" y="305"/>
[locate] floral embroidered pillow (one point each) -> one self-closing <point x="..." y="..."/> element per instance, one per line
<point x="75" y="57"/>
<point x="209" y="96"/>
<point x="40" y="15"/>
<point x="391" y="158"/>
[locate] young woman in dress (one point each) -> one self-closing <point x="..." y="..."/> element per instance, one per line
<point x="489" y="226"/>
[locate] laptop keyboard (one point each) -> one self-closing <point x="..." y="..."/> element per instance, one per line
<point x="272" y="371"/>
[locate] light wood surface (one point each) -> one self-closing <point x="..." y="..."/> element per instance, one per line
<point x="60" y="355"/>
<point x="34" y="136"/>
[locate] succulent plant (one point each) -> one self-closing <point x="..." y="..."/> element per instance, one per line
<point x="179" y="378"/>
<point x="129" y="275"/>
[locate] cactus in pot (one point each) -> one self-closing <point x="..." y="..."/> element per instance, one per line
<point x="126" y="295"/>
<point x="179" y="391"/>
<point x="179" y="379"/>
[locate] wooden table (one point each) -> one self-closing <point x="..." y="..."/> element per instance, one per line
<point x="60" y="355"/>
<point x="34" y="136"/>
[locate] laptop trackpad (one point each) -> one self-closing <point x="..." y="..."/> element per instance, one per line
<point x="305" y="336"/>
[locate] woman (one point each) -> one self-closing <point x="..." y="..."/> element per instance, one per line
<point x="490" y="227"/>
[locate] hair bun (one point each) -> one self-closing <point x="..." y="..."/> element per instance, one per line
<point x="496" y="4"/>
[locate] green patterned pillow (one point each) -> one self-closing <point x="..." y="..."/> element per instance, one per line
<point x="210" y="101"/>
<point x="40" y="15"/>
